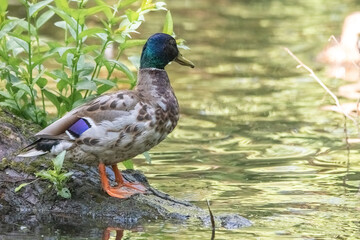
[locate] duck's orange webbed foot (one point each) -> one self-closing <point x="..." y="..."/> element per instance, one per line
<point x="123" y="189"/>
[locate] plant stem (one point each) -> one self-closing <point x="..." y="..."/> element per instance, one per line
<point x="43" y="99"/>
<point x="30" y="68"/>
<point x="113" y="68"/>
<point x="74" y="72"/>
<point x="98" y="65"/>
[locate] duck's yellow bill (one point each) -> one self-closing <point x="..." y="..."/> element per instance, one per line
<point x="183" y="61"/>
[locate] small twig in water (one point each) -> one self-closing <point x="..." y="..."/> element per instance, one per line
<point x="348" y="153"/>
<point x="333" y="38"/>
<point x="313" y="75"/>
<point x="212" y="221"/>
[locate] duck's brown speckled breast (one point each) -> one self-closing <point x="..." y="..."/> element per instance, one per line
<point x="151" y="119"/>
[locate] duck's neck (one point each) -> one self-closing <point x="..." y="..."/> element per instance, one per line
<point x="153" y="80"/>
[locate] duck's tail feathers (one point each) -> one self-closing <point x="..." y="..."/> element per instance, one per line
<point x="40" y="147"/>
<point x="32" y="150"/>
<point x="32" y="153"/>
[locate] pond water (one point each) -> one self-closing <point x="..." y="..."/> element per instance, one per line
<point x="252" y="136"/>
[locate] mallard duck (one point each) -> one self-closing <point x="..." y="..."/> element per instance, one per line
<point x="120" y="125"/>
<point x="343" y="57"/>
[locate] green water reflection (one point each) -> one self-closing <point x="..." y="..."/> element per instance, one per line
<point x="252" y="137"/>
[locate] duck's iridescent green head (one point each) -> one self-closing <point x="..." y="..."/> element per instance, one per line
<point x="159" y="50"/>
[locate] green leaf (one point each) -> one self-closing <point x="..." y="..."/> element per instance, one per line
<point x="61" y="84"/>
<point x="57" y="73"/>
<point x="79" y="102"/>
<point x="76" y="96"/>
<point x="104" y="88"/>
<point x="25" y="25"/>
<point x="10" y="104"/>
<point x="38" y="6"/>
<point x="132" y="43"/>
<point x="21" y="43"/>
<point x="5" y="94"/>
<point x="169" y="24"/>
<point x="83" y="13"/>
<point x="58" y="161"/>
<point x="128" y="164"/>
<point x="63" y="50"/>
<point x="19" y="95"/>
<point x="63" y="109"/>
<point x="107" y="10"/>
<point x="66" y="27"/>
<point x="181" y="44"/>
<point x="160" y="6"/>
<point x="105" y="82"/>
<point x="107" y="85"/>
<point x="146" y="4"/>
<point x="135" y="60"/>
<point x="86" y="84"/>
<point x="147" y="157"/>
<point x="41" y="82"/>
<point x="23" y="86"/>
<point x="62" y="5"/>
<point x="67" y="174"/>
<point x="39" y="59"/>
<point x="3" y="6"/>
<point x="38" y="77"/>
<point x="122" y="67"/>
<point x="91" y="31"/>
<point x="8" y="25"/>
<point x="132" y="15"/>
<point x="65" y="193"/>
<point x="44" y="18"/>
<point x="68" y="19"/>
<point x="52" y="98"/>
<point x="46" y="175"/>
<point x="125" y="3"/>
<point x="91" y="48"/>
<point x="18" y="188"/>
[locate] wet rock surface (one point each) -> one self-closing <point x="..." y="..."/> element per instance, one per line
<point x="38" y="203"/>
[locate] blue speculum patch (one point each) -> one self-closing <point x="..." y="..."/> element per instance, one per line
<point x="79" y="127"/>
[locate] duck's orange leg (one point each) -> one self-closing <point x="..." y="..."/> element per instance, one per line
<point x="119" y="233"/>
<point x="123" y="189"/>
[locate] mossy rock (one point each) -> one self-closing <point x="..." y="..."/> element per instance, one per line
<point x="38" y="202"/>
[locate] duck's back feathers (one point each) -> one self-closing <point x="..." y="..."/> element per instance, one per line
<point x="99" y="114"/>
<point x="58" y="127"/>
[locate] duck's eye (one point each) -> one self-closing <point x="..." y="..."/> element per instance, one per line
<point x="172" y="42"/>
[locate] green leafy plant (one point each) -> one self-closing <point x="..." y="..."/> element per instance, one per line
<point x="57" y="176"/>
<point x="76" y="62"/>
<point x="79" y="58"/>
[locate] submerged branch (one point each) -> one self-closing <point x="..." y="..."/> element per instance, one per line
<point x="212" y="220"/>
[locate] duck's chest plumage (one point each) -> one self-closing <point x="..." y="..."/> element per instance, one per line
<point x="127" y="123"/>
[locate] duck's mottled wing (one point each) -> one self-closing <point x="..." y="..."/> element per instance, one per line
<point x="109" y="107"/>
<point x="58" y="128"/>
<point x="104" y="108"/>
